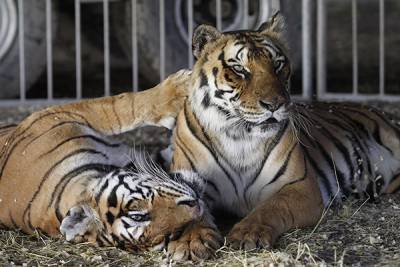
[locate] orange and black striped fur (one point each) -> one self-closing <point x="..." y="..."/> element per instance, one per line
<point x="262" y="157"/>
<point x="62" y="167"/>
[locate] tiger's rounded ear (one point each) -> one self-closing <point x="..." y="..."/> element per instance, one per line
<point x="202" y="35"/>
<point x="276" y="24"/>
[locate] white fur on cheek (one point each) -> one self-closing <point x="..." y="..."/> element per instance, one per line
<point x="281" y="113"/>
<point x="136" y="229"/>
<point x="209" y="117"/>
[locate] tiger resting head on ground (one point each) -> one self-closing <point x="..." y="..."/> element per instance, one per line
<point x="63" y="166"/>
<point x="138" y="207"/>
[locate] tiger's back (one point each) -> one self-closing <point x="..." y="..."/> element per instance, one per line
<point x="354" y="149"/>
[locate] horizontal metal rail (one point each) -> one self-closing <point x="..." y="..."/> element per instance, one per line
<point x="35" y="102"/>
<point x="360" y="97"/>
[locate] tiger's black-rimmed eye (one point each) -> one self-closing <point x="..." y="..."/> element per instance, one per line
<point x="139" y="217"/>
<point x="238" y="69"/>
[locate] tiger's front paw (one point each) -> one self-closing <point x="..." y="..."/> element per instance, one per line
<point x="249" y="235"/>
<point x="198" y="242"/>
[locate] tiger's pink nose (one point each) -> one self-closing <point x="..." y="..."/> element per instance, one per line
<point x="270" y="105"/>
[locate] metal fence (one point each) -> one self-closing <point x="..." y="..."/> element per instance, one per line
<point x="321" y="84"/>
<point x="311" y="71"/>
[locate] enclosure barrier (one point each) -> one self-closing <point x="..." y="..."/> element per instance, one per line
<point x="308" y="25"/>
<point x="321" y="85"/>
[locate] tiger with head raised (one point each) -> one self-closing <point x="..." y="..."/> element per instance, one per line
<point x="264" y="158"/>
<point x="62" y="171"/>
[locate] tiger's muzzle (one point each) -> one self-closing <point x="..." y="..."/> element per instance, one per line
<point x="268" y="115"/>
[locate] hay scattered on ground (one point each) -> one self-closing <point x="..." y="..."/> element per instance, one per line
<point x="359" y="233"/>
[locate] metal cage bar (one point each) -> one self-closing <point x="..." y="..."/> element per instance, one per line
<point x="381" y="47"/>
<point x="354" y="45"/>
<point x="162" y="39"/>
<point x="49" y="51"/>
<point x="321" y="48"/>
<point x="274" y="4"/>
<point x="190" y="32"/>
<point x="307" y="87"/>
<point x="245" y="14"/>
<point x="219" y="14"/>
<point x="21" y="40"/>
<point x="78" y="56"/>
<point x="269" y="7"/>
<point x="106" y="35"/>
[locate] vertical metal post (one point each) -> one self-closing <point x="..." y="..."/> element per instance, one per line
<point x="245" y="14"/>
<point x="21" y="39"/>
<point x="219" y="15"/>
<point x="268" y="8"/>
<point x="190" y="31"/>
<point x="49" y="51"/>
<point x="275" y="4"/>
<point x="162" y="40"/>
<point x="355" y="46"/>
<point x="78" y="57"/>
<point x="135" y="79"/>
<point x="306" y="32"/>
<point x="321" y="47"/>
<point x="106" y="33"/>
<point x="381" y="47"/>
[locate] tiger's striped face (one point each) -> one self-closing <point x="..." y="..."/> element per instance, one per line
<point x="143" y="210"/>
<point x="137" y="208"/>
<point x="242" y="77"/>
